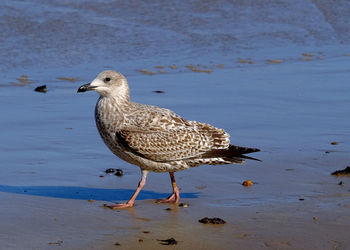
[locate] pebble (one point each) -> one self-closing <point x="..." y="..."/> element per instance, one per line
<point x="247" y="183"/>
<point x="41" y="89"/>
<point x="119" y="172"/>
<point x="110" y="170"/>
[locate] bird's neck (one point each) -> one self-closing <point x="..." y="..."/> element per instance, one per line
<point x="113" y="105"/>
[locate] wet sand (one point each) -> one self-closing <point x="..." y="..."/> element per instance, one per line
<point x="272" y="76"/>
<point x="294" y="202"/>
<point x="319" y="221"/>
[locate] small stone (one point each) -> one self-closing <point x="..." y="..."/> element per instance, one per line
<point x="168" y="209"/>
<point x="341" y="183"/>
<point x="315" y="218"/>
<point x="41" y="89"/>
<point x="140" y="240"/>
<point x="119" y="172"/>
<point x="247" y="183"/>
<point x="101" y="176"/>
<point x="117" y="244"/>
<point x="159" y="91"/>
<point x="110" y="170"/>
<point x="146" y="232"/>
<point x="301" y="199"/>
<point x="334" y="143"/>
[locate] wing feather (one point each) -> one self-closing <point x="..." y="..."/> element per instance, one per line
<point x="168" y="138"/>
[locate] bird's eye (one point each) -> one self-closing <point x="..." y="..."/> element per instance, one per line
<point x="107" y="79"/>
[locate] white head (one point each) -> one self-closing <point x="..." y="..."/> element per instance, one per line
<point x="109" y="83"/>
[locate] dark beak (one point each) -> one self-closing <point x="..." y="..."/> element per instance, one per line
<point x="85" y="87"/>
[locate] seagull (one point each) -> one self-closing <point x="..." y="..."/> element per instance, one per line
<point x="156" y="139"/>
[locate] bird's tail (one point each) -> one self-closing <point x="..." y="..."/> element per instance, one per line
<point x="233" y="153"/>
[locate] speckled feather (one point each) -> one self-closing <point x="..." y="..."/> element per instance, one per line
<point x="157" y="139"/>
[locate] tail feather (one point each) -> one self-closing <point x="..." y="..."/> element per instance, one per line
<point x="232" y="153"/>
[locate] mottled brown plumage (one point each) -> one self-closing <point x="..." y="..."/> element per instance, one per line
<point x="153" y="138"/>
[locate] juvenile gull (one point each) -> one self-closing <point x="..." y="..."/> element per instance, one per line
<point x="156" y="139"/>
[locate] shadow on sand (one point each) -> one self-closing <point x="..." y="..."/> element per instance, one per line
<point x="84" y="193"/>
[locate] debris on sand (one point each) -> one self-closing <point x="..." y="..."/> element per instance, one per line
<point x="41" y="89"/>
<point x="183" y="205"/>
<point x="70" y="79"/>
<point x="334" y="143"/>
<point x="23" y="80"/>
<point x="146" y="72"/>
<point x="343" y="172"/>
<point x="115" y="171"/>
<point x="57" y="243"/>
<point x="307" y="54"/>
<point x="207" y="220"/>
<point x="247" y="183"/>
<point x="170" y="241"/>
<point x="197" y="69"/>
<point x="118" y="172"/>
<point x="275" y="61"/>
<point x="159" y="91"/>
<point x="110" y="170"/>
<point x="249" y="61"/>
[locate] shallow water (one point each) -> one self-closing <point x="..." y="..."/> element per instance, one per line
<point x="292" y="107"/>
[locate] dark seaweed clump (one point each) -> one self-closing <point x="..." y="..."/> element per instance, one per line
<point x="167" y="242"/>
<point x="345" y="171"/>
<point x="207" y="220"/>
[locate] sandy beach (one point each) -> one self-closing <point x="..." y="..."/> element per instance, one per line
<point x="281" y="86"/>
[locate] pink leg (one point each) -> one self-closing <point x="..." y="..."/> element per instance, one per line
<point x="131" y="202"/>
<point x="175" y="196"/>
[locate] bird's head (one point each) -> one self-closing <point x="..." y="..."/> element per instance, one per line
<point x="108" y="83"/>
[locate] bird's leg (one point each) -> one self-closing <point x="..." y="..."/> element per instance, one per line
<point x="175" y="196"/>
<point x="131" y="202"/>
